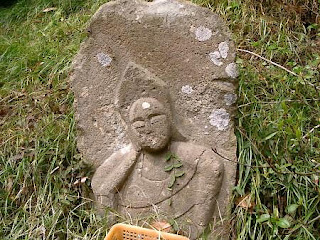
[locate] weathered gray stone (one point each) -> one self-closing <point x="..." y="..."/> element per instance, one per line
<point x="154" y="88"/>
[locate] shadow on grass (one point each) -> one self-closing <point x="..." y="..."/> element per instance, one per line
<point x="7" y="3"/>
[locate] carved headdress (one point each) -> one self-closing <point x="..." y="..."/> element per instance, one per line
<point x="137" y="83"/>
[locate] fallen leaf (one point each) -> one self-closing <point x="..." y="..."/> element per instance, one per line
<point x="9" y="185"/>
<point x="245" y="202"/>
<point x="17" y="157"/>
<point x="4" y="111"/>
<point x="49" y="9"/>
<point x="162" y="226"/>
<point x="41" y="232"/>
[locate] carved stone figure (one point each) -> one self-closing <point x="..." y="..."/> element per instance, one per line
<point x="175" y="180"/>
<point x="154" y="88"/>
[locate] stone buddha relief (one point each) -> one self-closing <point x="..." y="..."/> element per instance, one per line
<point x="160" y="173"/>
<point x="154" y="91"/>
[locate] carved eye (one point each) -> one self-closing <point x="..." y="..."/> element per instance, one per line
<point x="157" y="119"/>
<point x="138" y="124"/>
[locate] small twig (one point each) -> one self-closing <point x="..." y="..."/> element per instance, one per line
<point x="267" y="60"/>
<point x="277" y="102"/>
<point x="55" y="169"/>
<point x="311" y="131"/>
<point x="276" y="64"/>
<point x="235" y="161"/>
<point x="315" y="219"/>
<point x="304" y="137"/>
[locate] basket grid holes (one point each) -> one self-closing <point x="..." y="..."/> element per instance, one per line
<point x="127" y="235"/>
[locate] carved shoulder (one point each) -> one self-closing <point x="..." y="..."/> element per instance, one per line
<point x="187" y="152"/>
<point x="114" y="168"/>
<point x="208" y="162"/>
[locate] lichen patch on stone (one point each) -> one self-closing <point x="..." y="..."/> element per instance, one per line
<point x="220" y="119"/>
<point x="232" y="70"/>
<point x="203" y="33"/>
<point x="214" y="57"/>
<point x="104" y="59"/>
<point x="230" y="98"/>
<point x="126" y="149"/>
<point x="224" y="49"/>
<point x="145" y="105"/>
<point x="165" y="7"/>
<point x="187" y="89"/>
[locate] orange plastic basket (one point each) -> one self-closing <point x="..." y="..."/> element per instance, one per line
<point x="127" y="232"/>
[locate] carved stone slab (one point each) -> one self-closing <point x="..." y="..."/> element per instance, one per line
<point x="155" y="80"/>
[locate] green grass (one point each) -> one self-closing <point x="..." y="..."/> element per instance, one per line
<point x="277" y="122"/>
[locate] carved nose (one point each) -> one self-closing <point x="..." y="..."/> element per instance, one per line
<point x="148" y="127"/>
<point x="148" y="130"/>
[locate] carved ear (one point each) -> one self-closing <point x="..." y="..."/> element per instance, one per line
<point x="137" y="82"/>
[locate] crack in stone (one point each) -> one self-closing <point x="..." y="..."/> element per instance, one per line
<point x="192" y="206"/>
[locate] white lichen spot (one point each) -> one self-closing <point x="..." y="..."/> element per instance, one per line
<point x="125" y="149"/>
<point x="232" y="70"/>
<point x="219" y="118"/>
<point x="104" y="59"/>
<point x="230" y="98"/>
<point x="203" y="33"/>
<point x="165" y="7"/>
<point x="187" y="89"/>
<point x="145" y="105"/>
<point x="214" y="57"/>
<point x="224" y="49"/>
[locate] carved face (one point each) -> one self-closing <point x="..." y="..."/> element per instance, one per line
<point x="149" y="125"/>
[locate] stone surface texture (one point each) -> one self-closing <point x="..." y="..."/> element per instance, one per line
<point x="154" y="86"/>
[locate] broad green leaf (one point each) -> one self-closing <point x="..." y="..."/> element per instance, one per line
<point x="172" y="181"/>
<point x="168" y="156"/>
<point x="292" y="208"/>
<point x="168" y="168"/>
<point x="178" y="165"/>
<point x="263" y="218"/>
<point x="175" y="157"/>
<point x="179" y="174"/>
<point x="283" y="223"/>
